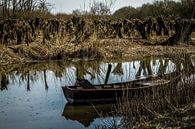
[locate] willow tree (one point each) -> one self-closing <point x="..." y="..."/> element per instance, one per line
<point x="101" y="8"/>
<point x="12" y="7"/>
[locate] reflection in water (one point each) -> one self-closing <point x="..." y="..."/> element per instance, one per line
<point x="86" y="114"/>
<point x="28" y="81"/>
<point x="94" y="71"/>
<point x="45" y="79"/>
<point x="118" y="69"/>
<point x="193" y="60"/>
<point x="42" y="105"/>
<point x="4" y="81"/>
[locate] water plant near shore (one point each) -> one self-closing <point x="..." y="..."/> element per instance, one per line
<point x="171" y="108"/>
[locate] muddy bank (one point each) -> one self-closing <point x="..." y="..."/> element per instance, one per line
<point x="126" y="49"/>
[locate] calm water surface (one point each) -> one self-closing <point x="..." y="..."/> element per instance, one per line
<point x="31" y="96"/>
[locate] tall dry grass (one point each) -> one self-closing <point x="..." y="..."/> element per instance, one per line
<point x="167" y="107"/>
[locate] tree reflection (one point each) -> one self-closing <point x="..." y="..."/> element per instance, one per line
<point x="118" y="69"/>
<point x="4" y="81"/>
<point x="28" y="81"/>
<point x="45" y="79"/>
<point x="84" y="68"/>
<point x="184" y="64"/>
<point x="81" y="69"/>
<point x="94" y="71"/>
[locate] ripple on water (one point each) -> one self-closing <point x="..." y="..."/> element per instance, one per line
<point x="2" y="112"/>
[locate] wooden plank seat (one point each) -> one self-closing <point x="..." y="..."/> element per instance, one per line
<point x="84" y="83"/>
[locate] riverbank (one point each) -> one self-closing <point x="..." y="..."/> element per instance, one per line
<point x="178" y="118"/>
<point x="126" y="49"/>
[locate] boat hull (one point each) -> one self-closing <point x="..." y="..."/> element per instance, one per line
<point x="109" y="95"/>
<point x="91" y="96"/>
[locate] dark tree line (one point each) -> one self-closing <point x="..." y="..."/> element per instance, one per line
<point x="10" y="8"/>
<point x="166" y="8"/>
<point x="79" y="29"/>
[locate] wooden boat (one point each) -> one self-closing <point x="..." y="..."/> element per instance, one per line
<point x="85" y="92"/>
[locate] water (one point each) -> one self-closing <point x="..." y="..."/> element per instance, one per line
<point x="31" y="96"/>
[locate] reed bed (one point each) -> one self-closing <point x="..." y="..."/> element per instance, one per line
<point x="101" y="49"/>
<point x="167" y="107"/>
<point x="92" y="37"/>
